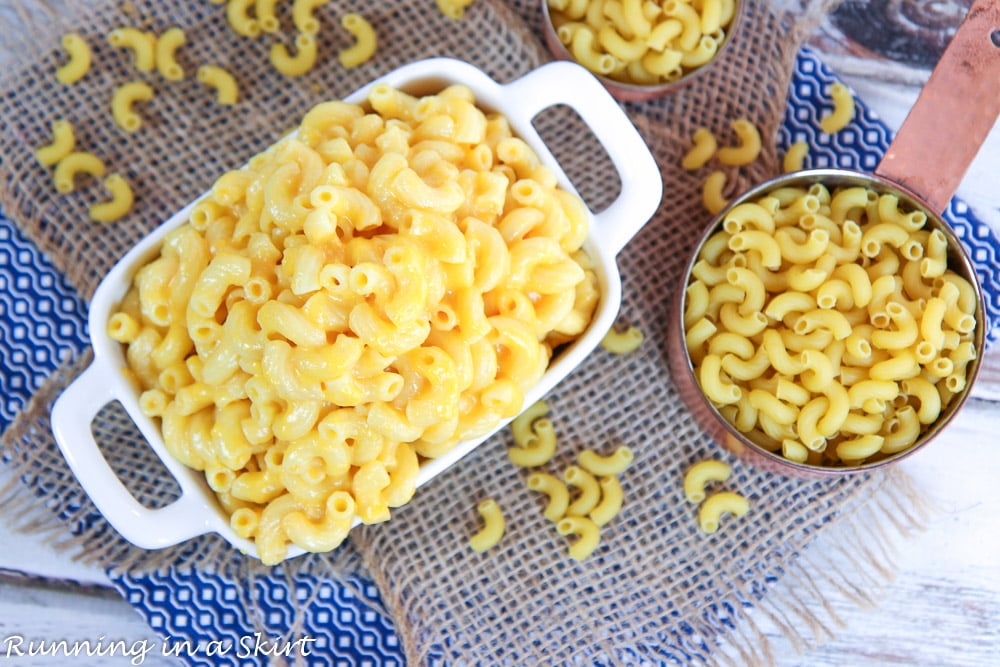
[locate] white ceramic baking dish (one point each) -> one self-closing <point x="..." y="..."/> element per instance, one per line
<point x="196" y="511"/>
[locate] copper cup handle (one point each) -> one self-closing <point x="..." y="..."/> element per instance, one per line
<point x="953" y="114"/>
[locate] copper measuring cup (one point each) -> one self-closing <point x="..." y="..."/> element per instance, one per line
<point x="923" y="167"/>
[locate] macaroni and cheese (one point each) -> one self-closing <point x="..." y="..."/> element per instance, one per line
<point x="386" y="282"/>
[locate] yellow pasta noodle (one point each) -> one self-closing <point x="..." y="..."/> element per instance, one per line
<point x="74" y="164"/>
<point x="142" y="45"/>
<point x="63" y="143"/>
<point x="702" y="149"/>
<point x="308" y="333"/>
<point x="622" y="342"/>
<point x="79" y="59"/>
<point x="588" y="535"/>
<point x="700" y="474"/>
<point x="365" y="38"/>
<point x="303" y="15"/>
<point x="712" y="197"/>
<point x="124" y="97"/>
<point x="747" y="150"/>
<point x="454" y="9"/>
<point x="166" y="48"/>
<point x="238" y="15"/>
<point x="301" y="62"/>
<point x="795" y="156"/>
<point x="226" y="88"/>
<point x="605" y="466"/>
<point x="555" y="489"/>
<point x="493" y="526"/>
<point x="843" y="109"/>
<point x="119" y="204"/>
<point x="719" y="504"/>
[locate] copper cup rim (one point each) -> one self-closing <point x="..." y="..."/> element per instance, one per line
<point x="958" y="261"/>
<point x="632" y="92"/>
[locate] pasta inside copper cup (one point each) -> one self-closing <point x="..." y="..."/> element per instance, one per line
<point x="640" y="50"/>
<point x="830" y="322"/>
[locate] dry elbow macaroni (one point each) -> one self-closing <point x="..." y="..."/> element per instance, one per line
<point x="365" y="40"/>
<point x="303" y="15"/>
<point x="69" y="167"/>
<point x="240" y="20"/>
<point x="843" y="109"/>
<point x="795" y="156"/>
<point x="717" y="505"/>
<point x="141" y="44"/>
<point x="360" y="296"/>
<point x="119" y="204"/>
<point x="493" y="526"/>
<point x="79" y="59"/>
<point x="642" y="43"/>
<point x="63" y="143"/>
<point x="298" y="64"/>
<point x="122" y="100"/>
<point x="622" y="342"/>
<point x="820" y="322"/>
<point x="166" y="48"/>
<point x="453" y="9"/>
<point x="226" y="88"/>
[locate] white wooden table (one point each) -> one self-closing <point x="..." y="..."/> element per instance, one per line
<point x="943" y="608"/>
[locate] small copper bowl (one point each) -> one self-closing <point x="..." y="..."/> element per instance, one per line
<point x="631" y="92"/>
<point x="711" y="419"/>
<point x="922" y="167"/>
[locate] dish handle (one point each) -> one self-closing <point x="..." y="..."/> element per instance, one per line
<point x="566" y="83"/>
<point x="72" y="415"/>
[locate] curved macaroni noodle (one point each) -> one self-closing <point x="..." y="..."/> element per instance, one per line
<point x="493" y="526"/>
<point x="748" y="148"/>
<point x="588" y="535"/>
<point x="843" y="109"/>
<point x="622" y="342"/>
<point x="365" y="41"/>
<point x="298" y="64"/>
<point x="700" y="474"/>
<point x="239" y="18"/>
<point x="142" y="44"/>
<point x="605" y="466"/>
<point x="73" y="164"/>
<point x="119" y="204"/>
<point x="63" y="143"/>
<point x="303" y="15"/>
<point x="124" y="97"/>
<point x="79" y="59"/>
<point x="166" y="48"/>
<point x="227" y="91"/>
<point x="719" y="504"/>
<point x="555" y="489"/>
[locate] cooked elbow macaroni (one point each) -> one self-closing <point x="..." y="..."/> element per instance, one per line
<point x="119" y="204"/>
<point x="79" y="59"/>
<point x="365" y="40"/>
<point x="639" y="42"/>
<point x="122" y="100"/>
<point x="141" y="44"/>
<point x="227" y="91"/>
<point x="359" y="297"/>
<point x="844" y="328"/>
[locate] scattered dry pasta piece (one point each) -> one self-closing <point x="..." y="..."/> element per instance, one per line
<point x="142" y="44"/>
<point x="493" y="526"/>
<point x="365" y="44"/>
<point x="699" y="475"/>
<point x="843" y="109"/>
<point x="298" y="64"/>
<point x="703" y="148"/>
<point x="79" y="59"/>
<point x="119" y="204"/>
<point x="718" y="504"/>
<point x="303" y="15"/>
<point x="239" y="18"/>
<point x="795" y="156"/>
<point x="73" y="164"/>
<point x="748" y="148"/>
<point x="454" y="9"/>
<point x="166" y="47"/>
<point x="121" y="104"/>
<point x="267" y="15"/>
<point x="555" y="489"/>
<point x="605" y="466"/>
<point x="711" y="193"/>
<point x="227" y="91"/>
<point x="622" y="342"/>
<point x="63" y="143"/>
<point x="587" y="532"/>
<point x="611" y="501"/>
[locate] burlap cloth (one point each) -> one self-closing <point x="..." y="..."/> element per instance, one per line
<point x="656" y="587"/>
